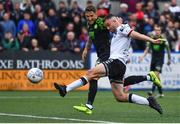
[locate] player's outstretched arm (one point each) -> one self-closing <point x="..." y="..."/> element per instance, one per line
<point x="144" y="54"/>
<point x="168" y="53"/>
<point x="86" y="49"/>
<point x="136" y="35"/>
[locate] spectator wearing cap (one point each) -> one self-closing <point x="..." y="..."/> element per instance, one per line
<point x="27" y="20"/>
<point x="8" y="25"/>
<point x="123" y="12"/>
<point x="43" y="35"/>
<point x="72" y="44"/>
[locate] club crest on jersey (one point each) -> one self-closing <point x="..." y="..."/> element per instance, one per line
<point x="95" y="26"/>
<point x="122" y="28"/>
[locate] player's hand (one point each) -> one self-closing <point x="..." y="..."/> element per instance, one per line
<point x="169" y="62"/>
<point x="119" y="19"/>
<point x="84" y="54"/>
<point x="157" y="41"/>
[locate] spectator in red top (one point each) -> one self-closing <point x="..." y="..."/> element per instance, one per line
<point x="103" y="8"/>
<point x="131" y="4"/>
<point x="139" y="13"/>
<point x="27" y="20"/>
<point x="24" y="37"/>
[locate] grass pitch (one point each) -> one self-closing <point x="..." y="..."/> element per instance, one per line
<point x="49" y="107"/>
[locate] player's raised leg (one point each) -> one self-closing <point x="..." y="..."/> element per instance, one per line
<point x="120" y="96"/>
<point x="92" y="74"/>
<point x="151" y="76"/>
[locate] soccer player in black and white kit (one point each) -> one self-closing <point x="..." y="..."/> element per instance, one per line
<point x="115" y="66"/>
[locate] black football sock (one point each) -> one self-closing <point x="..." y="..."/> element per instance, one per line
<point x="160" y="90"/>
<point x="134" y="80"/>
<point x="92" y="91"/>
<point x="153" y="88"/>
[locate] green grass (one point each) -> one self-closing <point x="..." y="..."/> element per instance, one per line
<point x="49" y="104"/>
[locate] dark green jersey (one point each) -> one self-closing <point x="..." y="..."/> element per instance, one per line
<point x="158" y="50"/>
<point x="99" y="35"/>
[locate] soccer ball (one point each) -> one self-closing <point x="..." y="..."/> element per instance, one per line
<point x="35" y="75"/>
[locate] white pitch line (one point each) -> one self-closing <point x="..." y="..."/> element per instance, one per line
<point x="53" y="118"/>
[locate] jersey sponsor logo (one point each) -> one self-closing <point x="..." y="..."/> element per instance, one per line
<point x="122" y="28"/>
<point x="95" y="26"/>
<point x="91" y="34"/>
<point x="156" y="47"/>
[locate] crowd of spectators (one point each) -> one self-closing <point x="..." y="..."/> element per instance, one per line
<point x="146" y="14"/>
<point x="33" y="25"/>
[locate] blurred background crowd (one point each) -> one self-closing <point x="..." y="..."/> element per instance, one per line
<point x="33" y="25"/>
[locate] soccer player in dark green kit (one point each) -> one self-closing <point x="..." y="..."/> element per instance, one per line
<point x="99" y="36"/>
<point x="157" y="52"/>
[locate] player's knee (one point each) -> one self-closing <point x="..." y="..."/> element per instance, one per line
<point x="120" y="98"/>
<point x="91" y="74"/>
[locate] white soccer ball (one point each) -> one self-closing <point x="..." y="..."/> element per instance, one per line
<point x="35" y="75"/>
